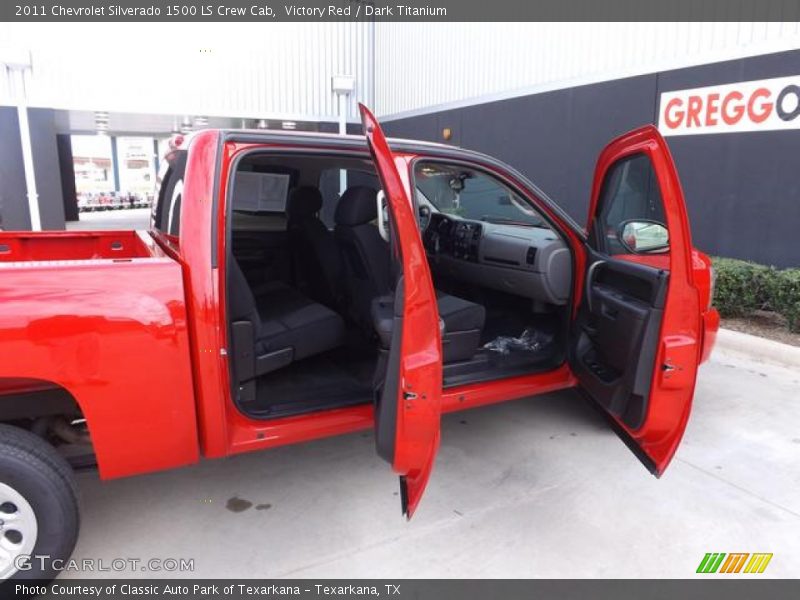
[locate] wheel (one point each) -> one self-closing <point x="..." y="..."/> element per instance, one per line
<point x="38" y="505"/>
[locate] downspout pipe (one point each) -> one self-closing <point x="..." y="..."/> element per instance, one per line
<point x="15" y="70"/>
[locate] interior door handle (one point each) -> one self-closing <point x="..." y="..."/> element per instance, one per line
<point x="589" y="278"/>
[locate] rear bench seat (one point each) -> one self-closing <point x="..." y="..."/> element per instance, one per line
<point x="276" y="327"/>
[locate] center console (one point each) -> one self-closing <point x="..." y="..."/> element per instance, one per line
<point x="457" y="238"/>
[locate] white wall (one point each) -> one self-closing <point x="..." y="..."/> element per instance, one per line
<point x="283" y="70"/>
<point x="258" y="70"/>
<point x="428" y="64"/>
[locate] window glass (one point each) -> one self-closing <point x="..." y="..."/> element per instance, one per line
<point x="631" y="212"/>
<point x="256" y="192"/>
<point x="472" y="195"/>
<point x="168" y="203"/>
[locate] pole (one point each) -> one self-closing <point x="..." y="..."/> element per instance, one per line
<point x="18" y="75"/>
<point x="342" y="131"/>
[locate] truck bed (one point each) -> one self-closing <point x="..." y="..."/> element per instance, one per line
<point x="22" y="246"/>
<point x="103" y="316"/>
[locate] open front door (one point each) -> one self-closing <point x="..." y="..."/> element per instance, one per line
<point x="408" y="406"/>
<point x="636" y="341"/>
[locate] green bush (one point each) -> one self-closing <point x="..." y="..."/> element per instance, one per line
<point x="785" y="297"/>
<point x="743" y="287"/>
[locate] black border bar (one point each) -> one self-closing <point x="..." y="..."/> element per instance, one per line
<point x="397" y="10"/>
<point x="705" y="587"/>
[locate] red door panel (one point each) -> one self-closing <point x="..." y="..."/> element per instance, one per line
<point x="637" y="341"/>
<point x="413" y="388"/>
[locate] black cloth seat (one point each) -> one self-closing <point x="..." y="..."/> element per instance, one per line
<point x="281" y="325"/>
<point x="368" y="269"/>
<point x="290" y="319"/>
<point x="461" y="323"/>
<point x="318" y="268"/>
<point x="364" y="253"/>
<point x="459" y="314"/>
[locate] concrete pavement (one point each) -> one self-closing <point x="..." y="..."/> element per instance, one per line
<point x="534" y="488"/>
<point x="134" y="218"/>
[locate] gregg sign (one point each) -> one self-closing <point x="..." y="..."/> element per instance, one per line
<point x="761" y="105"/>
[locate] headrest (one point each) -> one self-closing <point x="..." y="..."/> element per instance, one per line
<point x="357" y="206"/>
<point x="304" y="202"/>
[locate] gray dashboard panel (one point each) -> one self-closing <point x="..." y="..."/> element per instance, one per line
<point x="526" y="261"/>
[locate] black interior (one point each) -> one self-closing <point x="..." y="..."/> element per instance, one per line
<point x="312" y="304"/>
<point x="617" y="334"/>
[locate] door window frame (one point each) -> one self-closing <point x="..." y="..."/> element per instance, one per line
<point x="597" y="239"/>
<point x="224" y="254"/>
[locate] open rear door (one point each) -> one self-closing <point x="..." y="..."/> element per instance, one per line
<point x="408" y="406"/>
<point x="636" y="342"/>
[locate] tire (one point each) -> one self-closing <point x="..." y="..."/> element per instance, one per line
<point x="35" y="481"/>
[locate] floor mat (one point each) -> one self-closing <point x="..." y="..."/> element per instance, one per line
<point x="340" y="377"/>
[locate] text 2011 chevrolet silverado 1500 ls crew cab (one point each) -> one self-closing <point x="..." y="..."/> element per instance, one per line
<point x="295" y="286"/>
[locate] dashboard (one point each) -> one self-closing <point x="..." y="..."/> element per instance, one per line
<point x="532" y="262"/>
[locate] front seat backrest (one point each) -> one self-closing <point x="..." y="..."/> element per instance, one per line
<point x="364" y="252"/>
<point x="314" y="251"/>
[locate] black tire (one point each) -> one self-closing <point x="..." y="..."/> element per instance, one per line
<point x="34" y="469"/>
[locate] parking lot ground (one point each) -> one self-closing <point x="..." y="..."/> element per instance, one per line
<point x="129" y="218"/>
<point x="533" y="488"/>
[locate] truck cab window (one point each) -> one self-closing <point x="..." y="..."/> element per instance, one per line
<point x="168" y="204"/>
<point x="631" y="211"/>
<point x="470" y="194"/>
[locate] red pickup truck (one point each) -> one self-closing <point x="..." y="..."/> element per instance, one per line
<point x="295" y="286"/>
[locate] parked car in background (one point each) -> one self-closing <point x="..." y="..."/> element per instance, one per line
<point x="94" y="202"/>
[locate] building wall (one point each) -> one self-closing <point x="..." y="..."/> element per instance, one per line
<point x="421" y="65"/>
<point x="246" y="70"/>
<point x="263" y="70"/>
<point x="13" y="199"/>
<point x="742" y="189"/>
<point x="13" y="190"/>
<point x="44" y="146"/>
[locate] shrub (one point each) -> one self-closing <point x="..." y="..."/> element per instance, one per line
<point x="742" y="287"/>
<point x="785" y="296"/>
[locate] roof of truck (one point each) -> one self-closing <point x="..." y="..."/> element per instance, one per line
<point x="332" y="138"/>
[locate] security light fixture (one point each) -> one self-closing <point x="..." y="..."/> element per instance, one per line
<point x="342" y="84"/>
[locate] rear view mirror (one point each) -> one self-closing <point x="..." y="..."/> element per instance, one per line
<point x="641" y="236"/>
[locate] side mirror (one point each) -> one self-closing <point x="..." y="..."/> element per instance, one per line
<point x="642" y="236"/>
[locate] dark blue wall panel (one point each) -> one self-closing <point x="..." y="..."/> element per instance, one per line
<point x="742" y="189"/>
